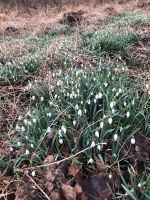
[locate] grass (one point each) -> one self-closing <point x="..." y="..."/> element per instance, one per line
<point x="77" y="105"/>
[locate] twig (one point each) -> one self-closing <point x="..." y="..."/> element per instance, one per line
<point x="38" y="186"/>
<point x="68" y="158"/>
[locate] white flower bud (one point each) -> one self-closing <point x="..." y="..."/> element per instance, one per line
<point x="110" y="120"/>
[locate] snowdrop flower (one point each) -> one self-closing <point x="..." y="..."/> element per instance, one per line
<point x="76" y="107"/>
<point x="113" y="111"/>
<point x="25" y="121"/>
<point x="27" y="152"/>
<point x="22" y="128"/>
<point x="33" y="98"/>
<point x="42" y="98"/>
<point x="90" y="161"/>
<point x="50" y="103"/>
<point x="124" y="103"/>
<point x="34" y="120"/>
<point x="97" y="97"/>
<point x="88" y="102"/>
<point x="85" y="110"/>
<point x="115" y="137"/>
<point x="97" y="134"/>
<point x="49" y="114"/>
<point x="61" y="141"/>
<point x="117" y="94"/>
<point x="11" y="149"/>
<point x="93" y="144"/>
<point x="132" y="140"/>
<point x="128" y="114"/>
<point x="111" y="104"/>
<point x="55" y="97"/>
<point x="133" y="102"/>
<point x="99" y="147"/>
<point x="29" y="123"/>
<point x="100" y="95"/>
<point x="32" y="146"/>
<point x="63" y="128"/>
<point x="19" y="144"/>
<point x="102" y="124"/>
<point x="30" y="85"/>
<point x="95" y="100"/>
<point x="33" y="173"/>
<point x="79" y="112"/>
<point x="110" y="176"/>
<point x="17" y="128"/>
<point x="20" y="118"/>
<point x="139" y="185"/>
<point x="105" y="84"/>
<point x="48" y="130"/>
<point x="110" y="120"/>
<point x="114" y="89"/>
<point x="147" y="86"/>
<point x="120" y="91"/>
<point x="121" y="129"/>
<point x="74" y="122"/>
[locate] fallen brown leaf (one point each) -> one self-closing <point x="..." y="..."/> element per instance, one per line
<point x="100" y="166"/>
<point x="95" y="187"/>
<point x="69" y="192"/>
<point x="74" y="169"/>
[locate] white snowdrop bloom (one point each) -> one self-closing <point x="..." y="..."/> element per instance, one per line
<point x="55" y="97"/>
<point x="27" y="152"/>
<point x="11" y="149"/>
<point x="97" y="134"/>
<point x="29" y="123"/>
<point x="75" y="96"/>
<point x="33" y="173"/>
<point x="120" y="91"/>
<point x="74" y="123"/>
<point x="20" y="118"/>
<point x="25" y="121"/>
<point x="139" y="185"/>
<point x="88" y="102"/>
<point x="124" y="103"/>
<point x="99" y="147"/>
<point x="121" y="129"/>
<point x="105" y="84"/>
<point x="76" y="107"/>
<point x="128" y="114"/>
<point x="53" y="75"/>
<point x="48" y="130"/>
<point x="85" y="110"/>
<point x="30" y="85"/>
<point x="32" y="146"/>
<point x="93" y="144"/>
<point x="110" y="176"/>
<point x="50" y="103"/>
<point x="33" y="98"/>
<point x="132" y="140"/>
<point x="147" y="86"/>
<point x="102" y="124"/>
<point x="34" y="120"/>
<point x="90" y="161"/>
<point x="113" y="111"/>
<point x="78" y="91"/>
<point x="49" y="114"/>
<point x="42" y="98"/>
<point x="81" y="102"/>
<point x="61" y="141"/>
<point x="113" y="78"/>
<point x="95" y="100"/>
<point x="63" y="128"/>
<point x="17" y="128"/>
<point x="22" y="128"/>
<point x="97" y="97"/>
<point x="79" y="112"/>
<point x="71" y="96"/>
<point x="19" y="143"/>
<point x="100" y="95"/>
<point x="133" y="102"/>
<point x="111" y="104"/>
<point x="114" y="155"/>
<point x="114" y="89"/>
<point x="115" y="137"/>
<point x="117" y="94"/>
<point x="110" y="120"/>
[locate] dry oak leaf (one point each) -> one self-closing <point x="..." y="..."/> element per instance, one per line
<point x="101" y="166"/>
<point x="69" y="192"/>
